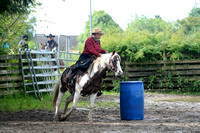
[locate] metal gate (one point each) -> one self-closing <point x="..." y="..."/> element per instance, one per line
<point x="64" y="48"/>
<point x="41" y="68"/>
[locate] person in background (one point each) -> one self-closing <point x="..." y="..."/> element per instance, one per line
<point x="6" y="45"/>
<point x="24" y="42"/>
<point x="51" y="43"/>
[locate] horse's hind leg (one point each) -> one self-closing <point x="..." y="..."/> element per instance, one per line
<point x="68" y="101"/>
<point x="58" y="103"/>
<point x="75" y="100"/>
<point x="92" y="98"/>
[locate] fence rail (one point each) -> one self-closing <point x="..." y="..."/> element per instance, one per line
<point x="165" y="74"/>
<point x="162" y="74"/>
<point x="10" y="74"/>
<point x="156" y="75"/>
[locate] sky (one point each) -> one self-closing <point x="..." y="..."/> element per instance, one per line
<point x="68" y="17"/>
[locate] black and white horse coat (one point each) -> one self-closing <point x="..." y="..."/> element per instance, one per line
<point x="85" y="84"/>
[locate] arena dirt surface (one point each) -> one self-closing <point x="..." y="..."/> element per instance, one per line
<point x="160" y="116"/>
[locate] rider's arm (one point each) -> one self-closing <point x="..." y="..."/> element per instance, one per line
<point x="103" y="51"/>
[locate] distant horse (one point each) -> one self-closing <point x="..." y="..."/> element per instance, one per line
<point x="87" y="83"/>
<point x="43" y="45"/>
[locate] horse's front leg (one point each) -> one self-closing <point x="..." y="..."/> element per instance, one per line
<point x="92" y="98"/>
<point x="75" y="100"/>
<point x="68" y="101"/>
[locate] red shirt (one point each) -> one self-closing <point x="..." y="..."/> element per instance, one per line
<point x="92" y="47"/>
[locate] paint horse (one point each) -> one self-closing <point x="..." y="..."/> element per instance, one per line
<point x="87" y="83"/>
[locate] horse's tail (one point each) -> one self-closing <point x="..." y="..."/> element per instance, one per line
<point x="56" y="92"/>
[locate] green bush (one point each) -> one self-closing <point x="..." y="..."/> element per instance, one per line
<point x="143" y="46"/>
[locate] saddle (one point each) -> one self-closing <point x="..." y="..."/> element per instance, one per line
<point x="69" y="77"/>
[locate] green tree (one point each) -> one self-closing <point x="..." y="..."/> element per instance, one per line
<point x="12" y="27"/>
<point x="195" y="12"/>
<point x="99" y="19"/>
<point x="155" y="39"/>
<point x="189" y="25"/>
<point x="151" y="24"/>
<point x="15" y="6"/>
<point x="15" y="21"/>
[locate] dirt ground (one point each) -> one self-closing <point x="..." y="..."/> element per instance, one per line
<point x="160" y="116"/>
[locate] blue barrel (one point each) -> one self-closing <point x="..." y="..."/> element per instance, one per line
<point x="132" y="100"/>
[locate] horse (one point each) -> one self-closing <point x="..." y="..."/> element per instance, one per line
<point x="87" y="83"/>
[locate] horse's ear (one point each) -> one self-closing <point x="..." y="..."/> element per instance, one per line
<point x="113" y="52"/>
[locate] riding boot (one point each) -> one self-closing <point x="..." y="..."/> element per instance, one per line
<point x="71" y="76"/>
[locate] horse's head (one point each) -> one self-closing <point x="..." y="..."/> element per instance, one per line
<point x="114" y="64"/>
<point x="43" y="45"/>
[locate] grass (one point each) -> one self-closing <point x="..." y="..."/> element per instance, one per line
<point x="17" y="102"/>
<point x="113" y="93"/>
<point x="175" y="92"/>
<point x="86" y="104"/>
<point x="184" y="99"/>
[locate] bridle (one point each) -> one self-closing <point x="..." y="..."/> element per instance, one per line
<point x="112" y="64"/>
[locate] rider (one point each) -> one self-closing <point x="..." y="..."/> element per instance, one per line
<point x="93" y="45"/>
<point x="91" y="50"/>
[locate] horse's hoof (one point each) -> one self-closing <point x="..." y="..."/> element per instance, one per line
<point x="62" y="117"/>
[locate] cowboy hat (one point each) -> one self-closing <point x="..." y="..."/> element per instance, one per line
<point x="50" y="35"/>
<point x="97" y="30"/>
